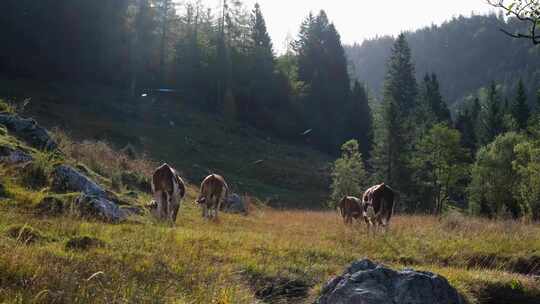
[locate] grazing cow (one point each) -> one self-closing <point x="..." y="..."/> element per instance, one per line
<point x="378" y="205"/>
<point x="214" y="190"/>
<point x="350" y="207"/>
<point x="168" y="190"/>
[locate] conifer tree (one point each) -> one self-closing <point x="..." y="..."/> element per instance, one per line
<point x="491" y="116"/>
<point x="358" y="118"/>
<point x="322" y="67"/>
<point x="520" y="109"/>
<point x="393" y="132"/>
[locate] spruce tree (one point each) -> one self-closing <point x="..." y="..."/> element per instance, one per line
<point x="358" y="118"/>
<point x="520" y="109"/>
<point x="491" y="121"/>
<point x="393" y="132"/>
<point x="260" y="78"/>
<point x="322" y="67"/>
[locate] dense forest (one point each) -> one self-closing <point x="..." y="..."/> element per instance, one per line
<point x="220" y="60"/>
<point x="483" y="156"/>
<point x="466" y="53"/>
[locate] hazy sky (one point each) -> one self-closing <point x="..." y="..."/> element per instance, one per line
<point x="360" y="19"/>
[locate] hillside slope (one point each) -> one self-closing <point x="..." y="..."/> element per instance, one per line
<point x="466" y="53"/>
<point x="197" y="143"/>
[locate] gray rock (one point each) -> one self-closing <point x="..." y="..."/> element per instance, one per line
<point x="365" y="282"/>
<point x="13" y="156"/>
<point x="29" y="130"/>
<point x="91" y="206"/>
<point x="234" y="204"/>
<point x="67" y="179"/>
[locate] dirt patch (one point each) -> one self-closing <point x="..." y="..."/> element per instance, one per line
<point x="25" y="234"/>
<point x="84" y="243"/>
<point x="280" y="289"/>
<point x="523" y="265"/>
<point x="498" y="293"/>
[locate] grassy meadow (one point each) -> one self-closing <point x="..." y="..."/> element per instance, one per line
<point x="269" y="256"/>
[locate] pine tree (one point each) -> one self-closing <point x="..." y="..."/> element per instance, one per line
<point x="322" y="67"/>
<point x="520" y="109"/>
<point x="393" y="132"/>
<point x="358" y="118"/>
<point x="260" y="77"/>
<point x="400" y="82"/>
<point x="491" y="121"/>
<point x="466" y="122"/>
<point x="431" y="109"/>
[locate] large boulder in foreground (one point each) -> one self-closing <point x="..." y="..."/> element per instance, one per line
<point x="67" y="179"/>
<point x="29" y="130"/>
<point x="365" y="282"/>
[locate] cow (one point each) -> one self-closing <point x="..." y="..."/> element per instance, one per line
<point x="378" y="205"/>
<point x="214" y="190"/>
<point x="168" y="190"/>
<point x="350" y="207"/>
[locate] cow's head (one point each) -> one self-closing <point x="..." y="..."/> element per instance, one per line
<point x="201" y="200"/>
<point x="153" y="208"/>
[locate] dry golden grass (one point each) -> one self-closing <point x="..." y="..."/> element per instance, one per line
<point x="226" y="262"/>
<point x="233" y="260"/>
<point x="100" y="157"/>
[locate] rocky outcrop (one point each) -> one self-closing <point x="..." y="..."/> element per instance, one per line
<point x="365" y="282"/>
<point x="67" y="179"/>
<point x="29" y="130"/>
<point x="95" y="201"/>
<point x="13" y="156"/>
<point x="234" y="204"/>
<point x="98" y="207"/>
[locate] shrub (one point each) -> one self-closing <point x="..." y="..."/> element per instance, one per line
<point x="493" y="190"/>
<point x="35" y="174"/>
<point x="348" y="173"/>
<point x="135" y="181"/>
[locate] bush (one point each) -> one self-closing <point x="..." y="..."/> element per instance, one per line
<point x="35" y="175"/>
<point x="495" y="182"/>
<point x="135" y="181"/>
<point x="348" y="173"/>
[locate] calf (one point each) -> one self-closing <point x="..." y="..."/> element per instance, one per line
<point x="168" y="190"/>
<point x="350" y="207"/>
<point x="378" y="205"/>
<point x="214" y="190"/>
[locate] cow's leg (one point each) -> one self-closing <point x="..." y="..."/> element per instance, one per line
<point x="175" y="210"/>
<point x="204" y="210"/>
<point x="166" y="206"/>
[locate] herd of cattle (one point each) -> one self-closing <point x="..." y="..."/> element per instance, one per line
<point x="376" y="206"/>
<point x="168" y="188"/>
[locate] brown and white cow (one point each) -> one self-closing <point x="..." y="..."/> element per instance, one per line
<point x="350" y="208"/>
<point x="168" y="189"/>
<point x="378" y="205"/>
<point x="214" y="190"/>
